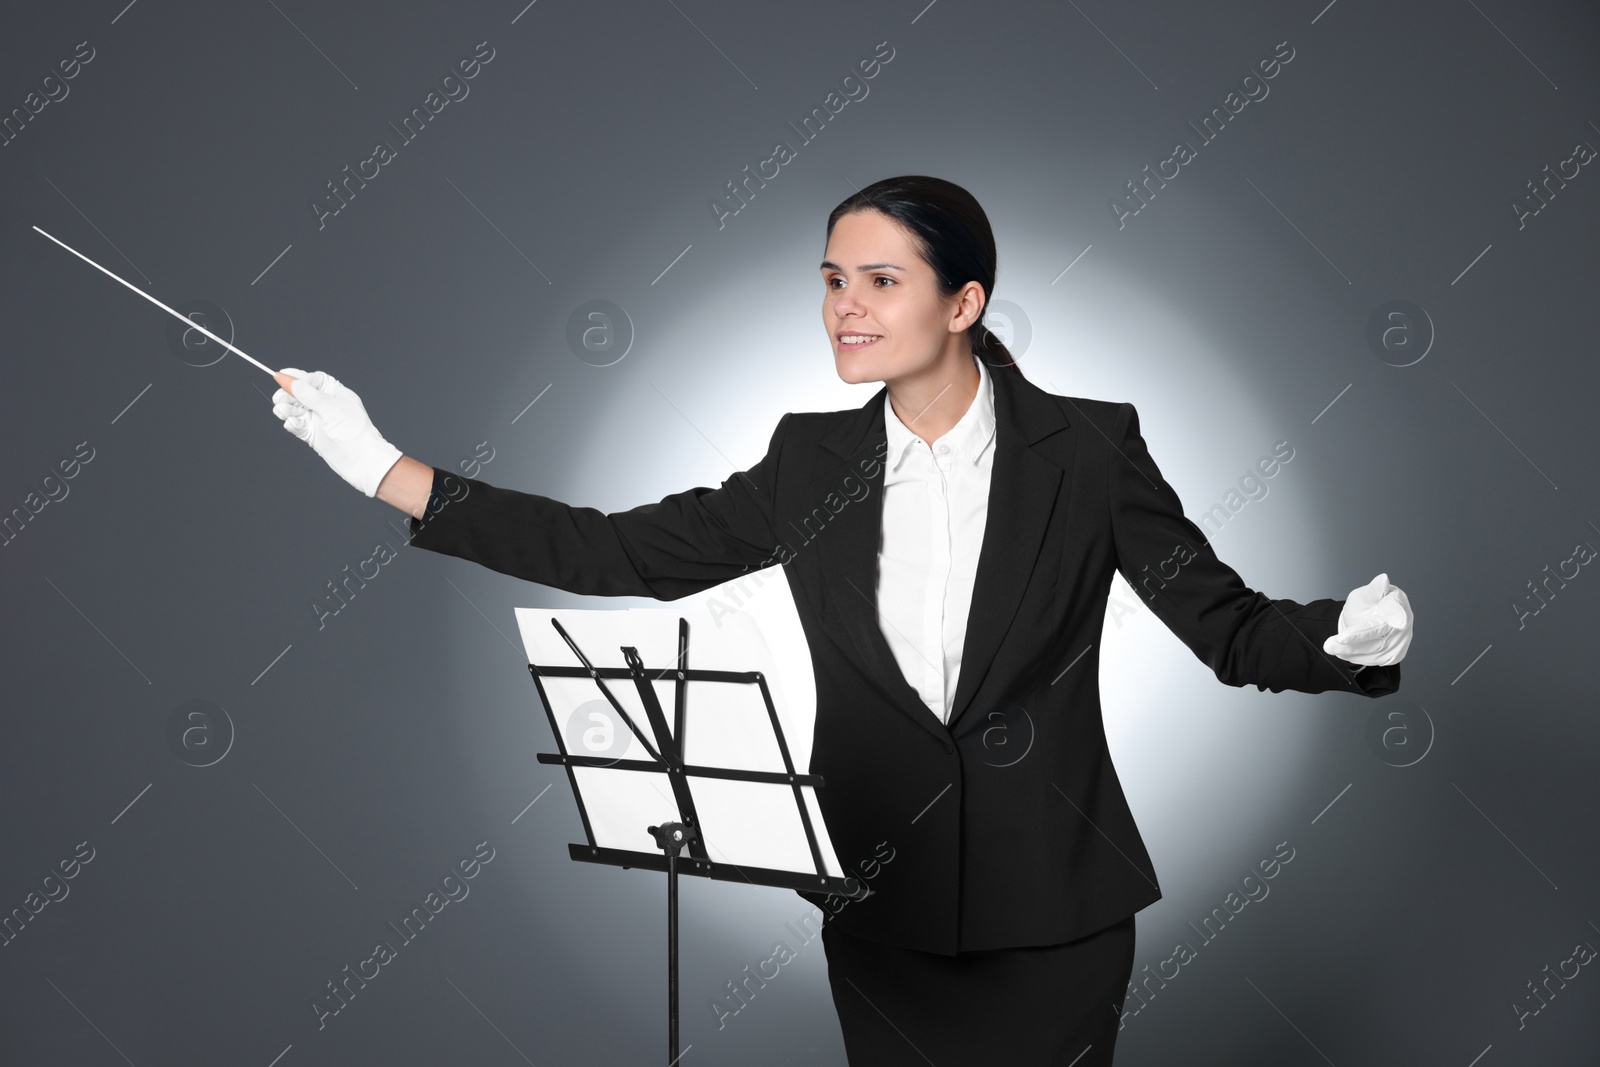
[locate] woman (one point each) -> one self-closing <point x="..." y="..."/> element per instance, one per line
<point x="1001" y="926"/>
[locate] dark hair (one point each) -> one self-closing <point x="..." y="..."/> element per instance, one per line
<point x="951" y="234"/>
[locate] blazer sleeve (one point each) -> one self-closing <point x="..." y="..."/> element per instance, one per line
<point x="1242" y="635"/>
<point x="679" y="545"/>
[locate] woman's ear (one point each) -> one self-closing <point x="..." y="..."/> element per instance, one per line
<point x="970" y="302"/>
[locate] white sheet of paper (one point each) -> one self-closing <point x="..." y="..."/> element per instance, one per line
<point x="726" y="725"/>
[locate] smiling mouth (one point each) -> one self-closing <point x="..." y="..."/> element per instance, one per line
<point x="859" y="341"/>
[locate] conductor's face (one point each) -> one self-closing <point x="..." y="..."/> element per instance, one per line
<point x="877" y="286"/>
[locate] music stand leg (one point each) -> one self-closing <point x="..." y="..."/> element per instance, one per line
<point x="671" y="837"/>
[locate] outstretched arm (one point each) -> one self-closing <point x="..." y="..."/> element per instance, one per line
<point x="1242" y="635"/>
<point x="682" y="544"/>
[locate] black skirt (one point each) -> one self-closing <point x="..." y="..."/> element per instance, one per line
<point x="1055" y="1005"/>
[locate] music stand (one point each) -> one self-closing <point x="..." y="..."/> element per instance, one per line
<point x="665" y="746"/>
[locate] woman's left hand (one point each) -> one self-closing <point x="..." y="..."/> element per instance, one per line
<point x="1374" y="625"/>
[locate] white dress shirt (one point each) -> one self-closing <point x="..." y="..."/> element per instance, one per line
<point x="935" y="505"/>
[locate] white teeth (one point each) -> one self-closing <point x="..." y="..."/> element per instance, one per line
<point x="858" y="338"/>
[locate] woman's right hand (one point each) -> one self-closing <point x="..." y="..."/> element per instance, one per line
<point x="327" y="415"/>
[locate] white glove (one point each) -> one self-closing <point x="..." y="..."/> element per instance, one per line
<point x="1374" y="625"/>
<point x="331" y="418"/>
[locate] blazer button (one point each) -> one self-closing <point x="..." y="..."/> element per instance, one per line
<point x="948" y="747"/>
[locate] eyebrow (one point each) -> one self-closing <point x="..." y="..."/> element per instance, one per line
<point x="828" y="264"/>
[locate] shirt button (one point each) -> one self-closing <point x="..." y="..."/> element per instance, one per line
<point x="942" y="449"/>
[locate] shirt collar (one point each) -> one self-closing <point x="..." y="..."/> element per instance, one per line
<point x="967" y="438"/>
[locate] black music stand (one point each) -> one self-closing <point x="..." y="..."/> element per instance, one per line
<point x="684" y="833"/>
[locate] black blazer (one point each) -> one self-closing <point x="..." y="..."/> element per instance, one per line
<point x="988" y="851"/>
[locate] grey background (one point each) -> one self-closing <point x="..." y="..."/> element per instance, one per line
<point x="367" y="757"/>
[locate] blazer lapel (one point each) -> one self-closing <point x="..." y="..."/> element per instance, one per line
<point x="848" y="551"/>
<point x="1024" y="486"/>
<point x="1030" y="461"/>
